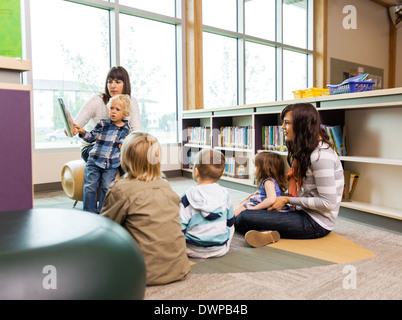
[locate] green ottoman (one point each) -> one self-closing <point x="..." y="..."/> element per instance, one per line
<point x="67" y="254"/>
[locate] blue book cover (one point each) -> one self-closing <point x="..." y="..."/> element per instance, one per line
<point x="339" y="140"/>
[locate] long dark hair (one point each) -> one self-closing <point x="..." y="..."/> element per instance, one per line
<point x="308" y="133"/>
<point x="117" y="73"/>
<point x="270" y="165"/>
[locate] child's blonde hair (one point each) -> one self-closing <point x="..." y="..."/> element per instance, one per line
<point x="140" y="157"/>
<point x="270" y="165"/>
<point x="123" y="100"/>
<point x="210" y="164"/>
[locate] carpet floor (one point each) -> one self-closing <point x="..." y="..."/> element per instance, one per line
<point x="355" y="261"/>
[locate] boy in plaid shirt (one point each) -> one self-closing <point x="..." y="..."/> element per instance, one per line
<point x="104" y="159"/>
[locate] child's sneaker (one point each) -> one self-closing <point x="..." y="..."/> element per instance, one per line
<point x="258" y="239"/>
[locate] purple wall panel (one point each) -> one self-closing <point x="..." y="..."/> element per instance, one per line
<point x="15" y="151"/>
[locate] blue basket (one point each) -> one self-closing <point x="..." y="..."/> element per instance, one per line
<point x="351" y="87"/>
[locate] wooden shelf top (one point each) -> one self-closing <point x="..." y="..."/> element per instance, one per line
<point x="15" y="64"/>
<point x="14" y="86"/>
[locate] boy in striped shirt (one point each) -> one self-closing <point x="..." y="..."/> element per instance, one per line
<point x="206" y="211"/>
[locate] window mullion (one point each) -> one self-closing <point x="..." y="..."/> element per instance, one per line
<point x="241" y="56"/>
<point x="114" y="29"/>
<point x="279" y="50"/>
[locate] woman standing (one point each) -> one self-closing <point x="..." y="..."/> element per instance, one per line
<point x="315" y="184"/>
<point x="117" y="82"/>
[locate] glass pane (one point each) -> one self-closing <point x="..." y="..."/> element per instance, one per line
<point x="220" y="71"/>
<point x="148" y="52"/>
<point x="260" y="18"/>
<point x="67" y="60"/>
<point x="295" y="23"/>
<point x="294" y="73"/>
<point x="260" y="73"/>
<point x="220" y="14"/>
<point x="166" y="7"/>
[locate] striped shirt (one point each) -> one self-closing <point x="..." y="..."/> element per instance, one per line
<point x="206" y="215"/>
<point x="107" y="137"/>
<point x="322" y="190"/>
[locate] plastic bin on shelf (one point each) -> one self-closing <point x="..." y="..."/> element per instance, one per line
<point x="351" y="87"/>
<point x="316" y="92"/>
<point x="299" y="94"/>
<point x="310" y="92"/>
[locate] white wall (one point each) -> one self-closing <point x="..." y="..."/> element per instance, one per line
<point x="368" y="44"/>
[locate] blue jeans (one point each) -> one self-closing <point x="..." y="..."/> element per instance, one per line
<point x="95" y="177"/>
<point x="290" y="225"/>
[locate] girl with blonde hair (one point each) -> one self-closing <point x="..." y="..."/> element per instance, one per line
<point x="147" y="207"/>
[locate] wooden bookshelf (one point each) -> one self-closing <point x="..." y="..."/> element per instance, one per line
<point x="372" y="121"/>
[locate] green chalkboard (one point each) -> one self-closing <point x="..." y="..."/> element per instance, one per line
<point x="10" y="29"/>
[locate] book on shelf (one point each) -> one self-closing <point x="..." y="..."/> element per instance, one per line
<point x="236" y="167"/>
<point x="191" y="159"/>
<point x="350" y="184"/>
<point x="67" y="118"/>
<point x="338" y="138"/>
<point x="235" y="137"/>
<point x="199" y="135"/>
<point x="273" y="138"/>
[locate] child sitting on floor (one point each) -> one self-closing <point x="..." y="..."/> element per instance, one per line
<point x="206" y="210"/>
<point x="271" y="181"/>
<point x="145" y="204"/>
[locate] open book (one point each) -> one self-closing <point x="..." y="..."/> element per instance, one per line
<point x="67" y="118"/>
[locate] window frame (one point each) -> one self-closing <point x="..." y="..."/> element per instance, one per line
<point x="115" y="9"/>
<point x="278" y="44"/>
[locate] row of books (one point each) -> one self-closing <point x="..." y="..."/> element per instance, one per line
<point x="337" y="137"/>
<point x="235" y="137"/>
<point x="273" y="138"/>
<point x="199" y="135"/>
<point x="236" y="167"/>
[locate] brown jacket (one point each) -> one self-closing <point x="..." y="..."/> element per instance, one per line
<point x="150" y="212"/>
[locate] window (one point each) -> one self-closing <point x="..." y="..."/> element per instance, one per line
<point x="295" y="23"/>
<point x="165" y="7"/>
<point x="260" y="73"/>
<point x="294" y="72"/>
<point x="220" y="14"/>
<point x="220" y="75"/>
<point x="269" y="46"/>
<point x="260" y="18"/>
<point x="148" y="53"/>
<point x="74" y="45"/>
<point x="68" y="60"/>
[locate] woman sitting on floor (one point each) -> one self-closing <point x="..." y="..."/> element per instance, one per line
<point x="315" y="184"/>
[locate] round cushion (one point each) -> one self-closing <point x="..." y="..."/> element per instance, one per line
<point x="72" y="179"/>
<point x="67" y="254"/>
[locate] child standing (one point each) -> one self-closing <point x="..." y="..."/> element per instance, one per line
<point x="271" y="181"/>
<point x="104" y="159"/>
<point x="206" y="210"/>
<point x="147" y="207"/>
